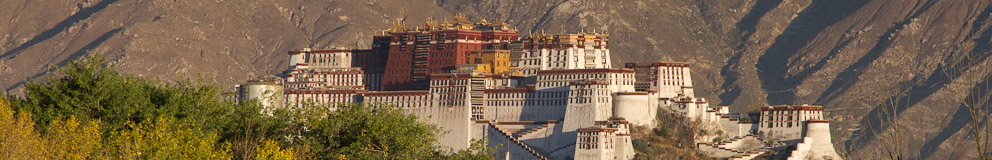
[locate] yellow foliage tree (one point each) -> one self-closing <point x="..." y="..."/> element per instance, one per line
<point x="269" y="150"/>
<point x="17" y="137"/>
<point x="70" y="140"/>
<point x="166" y="139"/>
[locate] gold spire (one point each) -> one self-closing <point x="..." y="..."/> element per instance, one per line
<point x="430" y="24"/>
<point x="460" y="18"/>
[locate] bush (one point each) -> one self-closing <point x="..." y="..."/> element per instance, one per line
<point x="644" y="146"/>
<point x="661" y="131"/>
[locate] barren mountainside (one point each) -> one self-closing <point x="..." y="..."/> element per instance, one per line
<point x="848" y="56"/>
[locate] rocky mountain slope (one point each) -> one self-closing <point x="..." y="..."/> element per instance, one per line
<point x="847" y="55"/>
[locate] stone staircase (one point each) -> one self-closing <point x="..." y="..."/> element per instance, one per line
<point x="513" y="139"/>
<point x="750" y="155"/>
<point x="723" y="147"/>
<point x="724" y="143"/>
<point x="562" y="147"/>
<point x="532" y="130"/>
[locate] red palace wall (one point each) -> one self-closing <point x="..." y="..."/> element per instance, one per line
<point x="448" y="48"/>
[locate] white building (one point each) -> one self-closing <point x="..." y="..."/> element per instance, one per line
<point x="267" y="92"/>
<point x="669" y="78"/>
<point x="569" y="51"/>
<point x="786" y="122"/>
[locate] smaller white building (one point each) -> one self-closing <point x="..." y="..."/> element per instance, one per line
<point x="560" y="52"/>
<point x="269" y="92"/>
<point x="669" y="78"/>
<point x="785" y="122"/>
<point x="596" y="142"/>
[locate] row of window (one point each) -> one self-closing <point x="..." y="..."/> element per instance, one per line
<point x="671" y="76"/>
<point x="788" y="118"/>
<point x="590" y="140"/>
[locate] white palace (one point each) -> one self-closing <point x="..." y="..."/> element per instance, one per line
<point x="553" y="103"/>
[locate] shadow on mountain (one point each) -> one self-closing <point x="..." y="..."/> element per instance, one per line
<point x="772" y="66"/>
<point x="83" y="14"/>
<point x="958" y="66"/>
<point x="75" y="55"/>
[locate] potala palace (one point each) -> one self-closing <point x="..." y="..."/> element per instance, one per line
<point x="536" y="96"/>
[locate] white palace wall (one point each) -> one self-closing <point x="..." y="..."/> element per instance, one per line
<point x="639" y="108"/>
<point x="519" y="104"/>
<point x="588" y="101"/>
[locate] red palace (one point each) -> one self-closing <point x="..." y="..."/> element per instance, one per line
<point x="414" y="54"/>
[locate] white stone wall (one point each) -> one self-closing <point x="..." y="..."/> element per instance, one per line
<point x="817" y="143"/>
<point x="520" y="106"/>
<point x="268" y="94"/>
<point x="455" y="120"/>
<point x="297" y="58"/>
<point x="587" y="103"/>
<point x="731" y="126"/>
<point x="640" y="108"/>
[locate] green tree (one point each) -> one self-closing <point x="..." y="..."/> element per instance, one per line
<point x="91" y="89"/>
<point x="357" y="131"/>
<point x="246" y="128"/>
